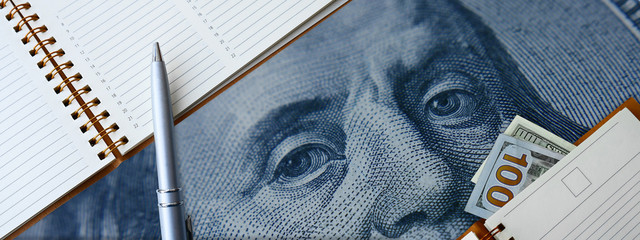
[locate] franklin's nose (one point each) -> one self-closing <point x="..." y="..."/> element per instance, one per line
<point x="415" y="185"/>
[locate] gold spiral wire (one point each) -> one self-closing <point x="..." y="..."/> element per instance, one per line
<point x="76" y="77"/>
<point x="41" y="44"/>
<point x="84" y="90"/>
<point x="96" y="139"/>
<point x="48" y="57"/>
<point x="103" y="115"/>
<point x="104" y="153"/>
<point x="16" y="9"/>
<point x="58" y="69"/>
<point x="24" y="21"/>
<point x="94" y="102"/>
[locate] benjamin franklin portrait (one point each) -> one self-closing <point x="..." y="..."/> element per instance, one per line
<point x="369" y="126"/>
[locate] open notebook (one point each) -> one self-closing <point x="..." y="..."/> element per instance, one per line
<point x="75" y="100"/>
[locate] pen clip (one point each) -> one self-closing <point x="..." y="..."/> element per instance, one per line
<point x="189" y="225"/>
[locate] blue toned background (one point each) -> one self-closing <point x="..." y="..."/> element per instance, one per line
<point x="372" y="124"/>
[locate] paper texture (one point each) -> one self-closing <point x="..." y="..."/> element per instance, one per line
<point x="587" y="195"/>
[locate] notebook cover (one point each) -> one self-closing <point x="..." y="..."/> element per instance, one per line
<point x="120" y="158"/>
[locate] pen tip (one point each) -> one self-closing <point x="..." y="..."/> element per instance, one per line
<point x="156" y="54"/>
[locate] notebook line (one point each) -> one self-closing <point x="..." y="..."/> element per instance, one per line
<point x="179" y="45"/>
<point x="209" y="13"/>
<point x="19" y="110"/>
<point x="258" y="20"/>
<point x="21" y="119"/>
<point x="146" y="89"/>
<point x="599" y="207"/>
<point x="205" y="5"/>
<point x="8" y="54"/>
<point x="139" y="64"/>
<point x="635" y="206"/>
<point x="5" y="164"/>
<point x="76" y="10"/>
<point x="616" y="204"/>
<point x="109" y="8"/>
<point x="12" y="72"/>
<point x="238" y="13"/>
<point x="144" y="113"/>
<point x="226" y="11"/>
<point x="245" y="19"/>
<point x="173" y="90"/>
<point x="196" y="87"/>
<point x="16" y="90"/>
<point x="191" y="68"/>
<point x="87" y="13"/>
<point x="145" y="25"/>
<point x="187" y="82"/>
<point x="38" y="164"/>
<point x="59" y="174"/>
<point x="103" y="23"/>
<point x="636" y="226"/>
<point x="70" y="4"/>
<point x="139" y="105"/>
<point x="116" y="24"/>
<point x="184" y="62"/>
<point x="8" y="65"/>
<point x="29" y="135"/>
<point x="140" y="40"/>
<point x="245" y="51"/>
<point x="266" y="25"/>
<point x="9" y="85"/>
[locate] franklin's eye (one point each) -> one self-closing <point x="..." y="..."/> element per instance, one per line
<point x="304" y="163"/>
<point x="450" y="105"/>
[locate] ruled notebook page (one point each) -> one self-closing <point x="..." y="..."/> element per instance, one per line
<point x="40" y="158"/>
<point x="203" y="44"/>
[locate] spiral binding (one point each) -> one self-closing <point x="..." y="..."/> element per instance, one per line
<point x="41" y="45"/>
<point x="493" y="232"/>
<point x="24" y="21"/>
<point x="67" y="81"/>
<point x="48" y="57"/>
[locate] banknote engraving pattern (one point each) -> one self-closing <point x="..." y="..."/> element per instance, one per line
<point x="369" y="126"/>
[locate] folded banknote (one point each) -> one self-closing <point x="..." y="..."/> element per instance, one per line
<point x="524" y="129"/>
<point x="512" y="165"/>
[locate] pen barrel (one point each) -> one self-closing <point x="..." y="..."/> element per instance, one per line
<point x="171" y="211"/>
<point x="163" y="127"/>
<point x="170" y="203"/>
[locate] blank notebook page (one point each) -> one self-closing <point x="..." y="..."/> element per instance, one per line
<point x="203" y="43"/>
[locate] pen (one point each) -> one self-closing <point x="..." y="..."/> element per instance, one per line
<point x="170" y="202"/>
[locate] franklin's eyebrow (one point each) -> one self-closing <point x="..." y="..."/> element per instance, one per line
<point x="286" y="115"/>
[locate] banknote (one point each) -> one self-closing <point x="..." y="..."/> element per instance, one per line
<point x="512" y="165"/>
<point x="370" y="124"/>
<point x="524" y="129"/>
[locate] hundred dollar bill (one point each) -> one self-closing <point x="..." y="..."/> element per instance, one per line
<point x="512" y="165"/>
<point x="523" y="129"/>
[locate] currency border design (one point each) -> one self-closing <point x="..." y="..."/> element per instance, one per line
<point x="531" y="132"/>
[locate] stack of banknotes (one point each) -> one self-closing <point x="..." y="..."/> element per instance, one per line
<point x="520" y="155"/>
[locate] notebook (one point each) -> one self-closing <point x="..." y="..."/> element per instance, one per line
<point x="75" y="100"/>
<point x="591" y="194"/>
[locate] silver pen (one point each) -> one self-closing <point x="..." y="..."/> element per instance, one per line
<point x="170" y="202"/>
